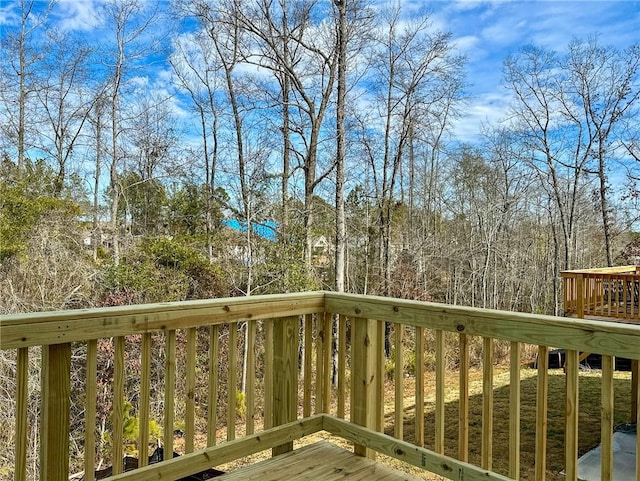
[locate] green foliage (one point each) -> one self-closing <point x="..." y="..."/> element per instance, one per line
<point x="160" y="270"/>
<point x="131" y="430"/>
<point x="283" y="269"/>
<point x="241" y="404"/>
<point x="143" y="203"/>
<point x="27" y="199"/>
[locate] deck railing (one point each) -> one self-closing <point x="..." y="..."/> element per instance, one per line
<point x="604" y="292"/>
<point x="287" y="342"/>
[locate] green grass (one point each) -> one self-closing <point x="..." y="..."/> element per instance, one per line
<point x="589" y="417"/>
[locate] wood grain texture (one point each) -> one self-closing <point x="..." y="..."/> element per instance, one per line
<point x="321" y="461"/>
<point x="364" y="376"/>
<point x="622" y="340"/>
<point x="44" y="328"/>
<point x="90" y="411"/>
<point x="398" y="381"/>
<point x="169" y="392"/>
<point x="285" y="385"/>
<point x="308" y="365"/>
<point x="250" y="396"/>
<point x="409" y="453"/>
<point x="190" y="402"/>
<point x="22" y="406"/>
<point x="145" y="394"/>
<point x="571" y="416"/>
<point x="486" y="451"/>
<point x="419" y="391"/>
<point x="118" y="405"/>
<point x="514" y="410"/>
<point x="440" y="401"/>
<point x="606" y="420"/>
<point x="342" y="364"/>
<point x="542" y="394"/>
<point x="212" y="393"/>
<point x="55" y="421"/>
<point x="463" y="409"/>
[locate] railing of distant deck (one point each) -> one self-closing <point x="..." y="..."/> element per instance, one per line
<point x="290" y="337"/>
<point x="605" y="292"/>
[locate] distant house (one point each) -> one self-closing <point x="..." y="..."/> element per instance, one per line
<point x="320" y="251"/>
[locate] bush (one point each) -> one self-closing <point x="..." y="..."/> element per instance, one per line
<point x="161" y="270"/>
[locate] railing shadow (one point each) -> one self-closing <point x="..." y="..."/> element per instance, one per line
<point x="589" y="422"/>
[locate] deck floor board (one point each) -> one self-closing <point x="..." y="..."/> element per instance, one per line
<point x="321" y="461"/>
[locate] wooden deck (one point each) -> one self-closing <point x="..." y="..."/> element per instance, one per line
<point x="321" y="461"/>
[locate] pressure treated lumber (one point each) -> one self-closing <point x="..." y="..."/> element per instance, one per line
<point x="321" y="461"/>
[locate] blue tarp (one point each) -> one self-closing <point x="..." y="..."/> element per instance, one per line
<point x="266" y="230"/>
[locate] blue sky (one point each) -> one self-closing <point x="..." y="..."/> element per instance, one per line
<point x="488" y="31"/>
<point x="485" y="31"/>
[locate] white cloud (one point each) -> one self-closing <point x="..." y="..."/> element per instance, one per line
<point x="82" y="15"/>
<point x="487" y="109"/>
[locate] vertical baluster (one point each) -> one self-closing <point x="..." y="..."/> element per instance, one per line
<point x="320" y="341"/>
<point x="514" y="411"/>
<point x="268" y="375"/>
<point x="308" y="364"/>
<point x="56" y="370"/>
<point x="212" y="394"/>
<point x="419" y="421"/>
<point x="582" y="296"/>
<point x="118" y="405"/>
<point x="398" y="379"/>
<point x="22" y="399"/>
<point x="327" y="361"/>
<point x="380" y="377"/>
<point x="542" y="390"/>
<point x="571" y="413"/>
<point x="606" y="420"/>
<point x="190" y="378"/>
<point x="145" y="394"/>
<point x="625" y="284"/>
<point x="232" y="381"/>
<point x="487" y="403"/>
<point x="463" y="409"/>
<point x="169" y="391"/>
<point x="342" y="364"/>
<point x="285" y="390"/>
<point x="363" y="397"/>
<point x="251" y="376"/>
<point x="440" y="406"/>
<point x="90" y="411"/>
<point x="610" y="300"/>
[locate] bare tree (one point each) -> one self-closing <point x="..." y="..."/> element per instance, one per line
<point x="129" y="22"/>
<point x="66" y="100"/>
<point x="601" y="92"/>
<point x="552" y="147"/>
<point x="307" y="69"/>
<point x="20" y="57"/>
<point x="194" y="63"/>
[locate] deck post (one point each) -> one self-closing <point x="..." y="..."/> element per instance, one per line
<point x="364" y="378"/>
<point x="56" y="404"/>
<point x="285" y="382"/>
<point x="580" y="292"/>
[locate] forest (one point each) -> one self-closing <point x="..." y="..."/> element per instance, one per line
<point x="302" y="145"/>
